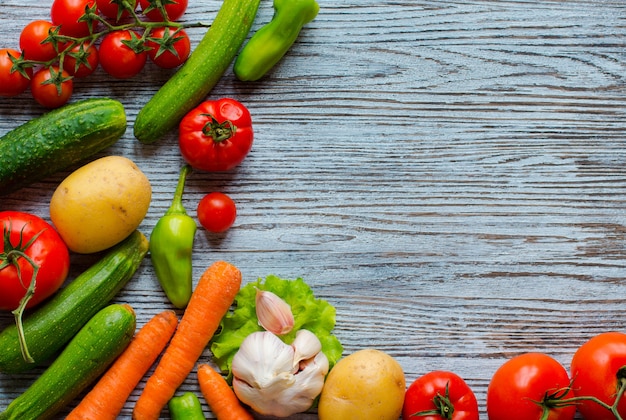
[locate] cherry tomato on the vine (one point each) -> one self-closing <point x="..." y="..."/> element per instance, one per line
<point x="67" y="15"/>
<point x="32" y="41"/>
<point x="216" y="135"/>
<point x="111" y="10"/>
<point x="217" y="212"/>
<point x="12" y="83"/>
<point x="173" y="8"/>
<point x="118" y="59"/>
<point x="598" y="369"/>
<point x="525" y="384"/>
<point x="52" y="87"/>
<point x="439" y="392"/>
<point x="47" y="251"/>
<point x="82" y="60"/>
<point x="174" y="50"/>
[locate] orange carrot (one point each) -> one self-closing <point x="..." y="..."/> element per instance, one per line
<point x="211" y="299"/>
<point x="219" y="395"/>
<point x="107" y="398"/>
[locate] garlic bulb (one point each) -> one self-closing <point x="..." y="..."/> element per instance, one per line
<point x="278" y="379"/>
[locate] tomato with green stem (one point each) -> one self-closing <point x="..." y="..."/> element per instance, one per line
<point x="116" y="9"/>
<point x="168" y="49"/>
<point x="82" y="60"/>
<point x="154" y="9"/>
<point x="34" y="263"/>
<point x="35" y="42"/>
<point x="52" y="87"/>
<point x="70" y="16"/>
<point x="122" y="54"/>
<point x="217" y="212"/>
<point x="440" y="395"/>
<point x="13" y="81"/>
<point x="531" y="386"/>
<point x="598" y="371"/>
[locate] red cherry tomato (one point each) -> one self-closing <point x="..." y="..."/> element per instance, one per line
<point x="173" y="8"/>
<point x="437" y="392"/>
<point x="117" y="58"/>
<point x="520" y="386"/>
<point x="32" y="42"/>
<point x="12" y="83"/>
<point x="217" y="212"/>
<point x="82" y="60"/>
<point x="111" y="10"/>
<point x="216" y="135"/>
<point x="595" y="368"/>
<point x="173" y="52"/>
<point x="47" y="251"/>
<point x="66" y="14"/>
<point x="48" y="93"/>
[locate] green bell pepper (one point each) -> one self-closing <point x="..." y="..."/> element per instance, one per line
<point x="171" y="246"/>
<point x="270" y="43"/>
<point x="186" y="407"/>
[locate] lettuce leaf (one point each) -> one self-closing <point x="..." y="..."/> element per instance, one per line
<point x="315" y="315"/>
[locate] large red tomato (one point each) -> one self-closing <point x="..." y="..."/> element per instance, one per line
<point x="33" y="243"/>
<point x="526" y="385"/>
<point x="598" y="370"/>
<point x="439" y="395"/>
<point x="68" y="15"/>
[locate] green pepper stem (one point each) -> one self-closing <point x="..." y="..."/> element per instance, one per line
<point x="177" y="202"/>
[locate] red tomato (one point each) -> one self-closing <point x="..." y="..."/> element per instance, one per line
<point x="12" y="83"/>
<point x="66" y="14"/>
<point x="82" y="60"/>
<point x="47" y="251"/>
<point x="111" y="10"/>
<point x="117" y="58"/>
<point x="594" y="369"/>
<point x="519" y="389"/>
<point x="217" y="212"/>
<point x="173" y="51"/>
<point x="32" y="41"/>
<point x="216" y="135"/>
<point x="173" y="8"/>
<point x="52" y="87"/>
<point x="440" y="392"/>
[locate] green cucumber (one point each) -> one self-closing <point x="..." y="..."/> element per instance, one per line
<point x="85" y="358"/>
<point x="200" y="73"/>
<point x="56" y="321"/>
<point x="57" y="140"/>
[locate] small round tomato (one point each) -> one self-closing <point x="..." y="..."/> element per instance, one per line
<point x="216" y="135"/>
<point x="12" y="83"/>
<point x="439" y="392"/>
<point x="173" y="8"/>
<point x="598" y="370"/>
<point x="82" y="60"/>
<point x="111" y="9"/>
<point x="118" y="59"/>
<point x="32" y="40"/>
<point x="66" y="14"/>
<point x="47" y="251"/>
<point x="168" y="49"/>
<point x="524" y="385"/>
<point x="217" y="212"/>
<point x="52" y="87"/>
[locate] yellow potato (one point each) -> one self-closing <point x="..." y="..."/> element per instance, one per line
<point x="100" y="204"/>
<point x="365" y="385"/>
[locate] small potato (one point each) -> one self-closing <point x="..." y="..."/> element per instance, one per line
<point x="366" y="385"/>
<point x="100" y="204"/>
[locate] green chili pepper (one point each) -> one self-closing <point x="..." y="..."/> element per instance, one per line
<point x="171" y="245"/>
<point x="186" y="407"/>
<point x="270" y="43"/>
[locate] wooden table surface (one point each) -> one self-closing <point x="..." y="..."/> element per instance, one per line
<point x="451" y="176"/>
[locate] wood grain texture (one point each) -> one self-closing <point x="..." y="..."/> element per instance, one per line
<point x="451" y="176"/>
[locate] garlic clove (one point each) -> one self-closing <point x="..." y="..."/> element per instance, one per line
<point x="273" y="313"/>
<point x="305" y="346"/>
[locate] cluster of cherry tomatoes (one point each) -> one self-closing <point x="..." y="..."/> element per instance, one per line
<point x="533" y="386"/>
<point x="84" y="34"/>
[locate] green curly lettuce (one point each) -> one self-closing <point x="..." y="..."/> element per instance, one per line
<point x="315" y="315"/>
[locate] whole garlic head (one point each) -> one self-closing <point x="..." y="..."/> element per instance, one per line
<point x="278" y="379"/>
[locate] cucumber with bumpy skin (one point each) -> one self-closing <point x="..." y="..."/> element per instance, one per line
<point x="200" y="73"/>
<point x="56" y="321"/>
<point x="85" y="358"/>
<point x="57" y="140"/>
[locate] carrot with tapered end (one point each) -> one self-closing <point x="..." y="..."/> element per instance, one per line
<point x="219" y="395"/>
<point x="107" y="398"/>
<point x="210" y="301"/>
